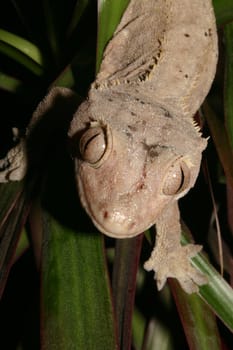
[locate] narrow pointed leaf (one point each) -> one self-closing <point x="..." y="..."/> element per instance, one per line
<point x="223" y="11"/>
<point x="22" y="51"/>
<point x="76" y="303"/>
<point x="77" y="13"/>
<point x="127" y="254"/>
<point x="109" y="14"/>
<point x="198" y="320"/>
<point x="218" y="294"/>
<point x="10" y="231"/>
<point x="9" y="83"/>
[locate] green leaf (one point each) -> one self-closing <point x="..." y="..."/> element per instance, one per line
<point x="53" y="29"/>
<point x="223" y="11"/>
<point x="76" y="300"/>
<point x="14" y="211"/>
<point x="76" y="303"/>
<point x="22" y="51"/>
<point x="109" y="15"/>
<point x="198" y="320"/>
<point x="217" y="293"/>
<point x="77" y="13"/>
<point x="9" y="83"/>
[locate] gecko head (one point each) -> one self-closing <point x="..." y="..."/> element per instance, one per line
<point x="128" y="171"/>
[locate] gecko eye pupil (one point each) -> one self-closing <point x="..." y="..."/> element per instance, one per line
<point x="177" y="179"/>
<point x="95" y="145"/>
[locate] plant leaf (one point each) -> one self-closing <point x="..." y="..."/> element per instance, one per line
<point x="76" y="303"/>
<point x="198" y="320"/>
<point x="223" y="11"/>
<point x="109" y="14"/>
<point x="127" y="254"/>
<point x="217" y="293"/>
<point x="12" y="221"/>
<point x="22" y="51"/>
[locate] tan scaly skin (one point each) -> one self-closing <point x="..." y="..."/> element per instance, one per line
<point x="137" y="148"/>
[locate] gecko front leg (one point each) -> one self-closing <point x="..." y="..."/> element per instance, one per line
<point x="169" y="258"/>
<point x="14" y="166"/>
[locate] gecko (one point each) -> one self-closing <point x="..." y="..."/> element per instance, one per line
<point x="136" y="147"/>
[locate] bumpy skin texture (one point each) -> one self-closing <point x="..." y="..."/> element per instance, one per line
<point x="139" y="148"/>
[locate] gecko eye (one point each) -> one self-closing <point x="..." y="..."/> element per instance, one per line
<point x="177" y="179"/>
<point x="94" y="144"/>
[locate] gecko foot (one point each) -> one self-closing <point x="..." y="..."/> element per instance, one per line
<point x="13" y="167"/>
<point x="176" y="263"/>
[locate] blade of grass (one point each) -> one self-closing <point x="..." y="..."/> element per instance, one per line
<point x="22" y="51"/>
<point x="9" y="83"/>
<point x="127" y="254"/>
<point x="109" y="14"/>
<point x="217" y="293"/>
<point x="76" y="302"/>
<point x="76" y="310"/>
<point x="22" y="45"/>
<point x="198" y="320"/>
<point x="10" y="232"/>
<point x="66" y="78"/>
<point x="52" y="30"/>
<point x="22" y="246"/>
<point x="77" y="13"/>
<point x="9" y="194"/>
<point x="223" y="11"/>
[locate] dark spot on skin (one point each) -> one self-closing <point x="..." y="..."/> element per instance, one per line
<point x="166" y="113"/>
<point x="140" y="186"/>
<point x="109" y="99"/>
<point x="186" y="76"/>
<point x="153" y="151"/>
<point x="132" y="113"/>
<point x="138" y="99"/>
<point x="132" y="127"/>
<point x="208" y="32"/>
<point x="105" y="214"/>
<point x="186" y="35"/>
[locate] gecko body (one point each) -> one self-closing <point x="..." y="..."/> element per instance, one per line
<point x="136" y="147"/>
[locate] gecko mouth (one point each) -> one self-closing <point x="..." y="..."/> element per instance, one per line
<point x="124" y="228"/>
